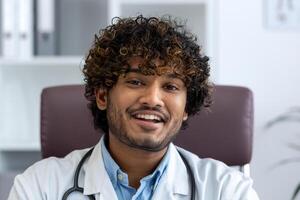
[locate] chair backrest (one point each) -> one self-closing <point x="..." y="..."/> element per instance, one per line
<point x="224" y="133"/>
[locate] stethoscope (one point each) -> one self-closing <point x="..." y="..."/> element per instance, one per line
<point x="76" y="188"/>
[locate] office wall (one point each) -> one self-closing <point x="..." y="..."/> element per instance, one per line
<point x="268" y="62"/>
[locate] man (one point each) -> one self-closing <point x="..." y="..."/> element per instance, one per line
<point x="144" y="78"/>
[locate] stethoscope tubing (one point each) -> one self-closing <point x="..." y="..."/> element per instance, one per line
<point x="191" y="175"/>
<point x="75" y="187"/>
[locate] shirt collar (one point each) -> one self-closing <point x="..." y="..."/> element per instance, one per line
<point x="110" y="165"/>
<point x="113" y="168"/>
<point x="97" y="180"/>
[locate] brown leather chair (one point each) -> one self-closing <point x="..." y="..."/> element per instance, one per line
<point x="224" y="133"/>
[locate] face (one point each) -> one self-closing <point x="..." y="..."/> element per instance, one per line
<point x="144" y="112"/>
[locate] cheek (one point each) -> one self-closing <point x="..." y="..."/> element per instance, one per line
<point x="177" y="105"/>
<point x="121" y="102"/>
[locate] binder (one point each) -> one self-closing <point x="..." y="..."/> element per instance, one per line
<point x="45" y="36"/>
<point x="9" y="34"/>
<point x="0" y="32"/>
<point x="25" y="28"/>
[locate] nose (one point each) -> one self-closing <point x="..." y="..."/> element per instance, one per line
<point x="152" y="96"/>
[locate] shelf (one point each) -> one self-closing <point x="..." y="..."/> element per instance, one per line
<point x="20" y="147"/>
<point x="43" y="61"/>
<point x="163" y="2"/>
<point x="21" y="83"/>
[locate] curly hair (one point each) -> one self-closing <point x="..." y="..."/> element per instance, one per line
<point x="151" y="39"/>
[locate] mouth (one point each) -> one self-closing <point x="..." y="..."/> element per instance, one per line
<point x="148" y="121"/>
<point x="155" y="118"/>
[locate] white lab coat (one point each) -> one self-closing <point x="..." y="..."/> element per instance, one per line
<point x="50" y="178"/>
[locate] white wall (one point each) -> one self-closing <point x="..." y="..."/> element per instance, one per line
<point x="268" y="62"/>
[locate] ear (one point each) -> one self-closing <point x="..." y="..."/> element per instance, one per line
<point x="185" y="116"/>
<point x="101" y="98"/>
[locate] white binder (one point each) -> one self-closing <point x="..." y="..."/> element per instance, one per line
<point x="46" y="39"/>
<point x="9" y="29"/>
<point x="25" y="28"/>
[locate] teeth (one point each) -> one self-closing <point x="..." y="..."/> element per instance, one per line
<point x="148" y="117"/>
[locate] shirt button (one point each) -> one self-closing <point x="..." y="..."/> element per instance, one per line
<point x="120" y="177"/>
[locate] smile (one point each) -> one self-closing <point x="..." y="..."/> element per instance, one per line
<point x="149" y="117"/>
<point x="148" y="120"/>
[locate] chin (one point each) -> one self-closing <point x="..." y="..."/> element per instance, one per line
<point x="150" y="142"/>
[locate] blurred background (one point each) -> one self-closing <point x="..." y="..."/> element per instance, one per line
<point x="250" y="43"/>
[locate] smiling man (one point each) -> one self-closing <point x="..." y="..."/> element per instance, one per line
<point x="144" y="78"/>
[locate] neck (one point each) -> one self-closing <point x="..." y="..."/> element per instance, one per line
<point x="136" y="163"/>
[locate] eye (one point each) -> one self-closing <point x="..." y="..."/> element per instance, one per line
<point x="171" y="87"/>
<point x="134" y="82"/>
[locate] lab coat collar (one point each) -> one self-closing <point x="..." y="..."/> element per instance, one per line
<point x="96" y="178"/>
<point x="174" y="181"/>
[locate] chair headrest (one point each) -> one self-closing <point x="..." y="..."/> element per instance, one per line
<point x="224" y="133"/>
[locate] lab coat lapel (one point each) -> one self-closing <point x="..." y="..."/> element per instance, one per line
<point x="174" y="183"/>
<point x="96" y="179"/>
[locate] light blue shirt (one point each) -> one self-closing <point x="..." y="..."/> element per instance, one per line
<point x="120" y="181"/>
